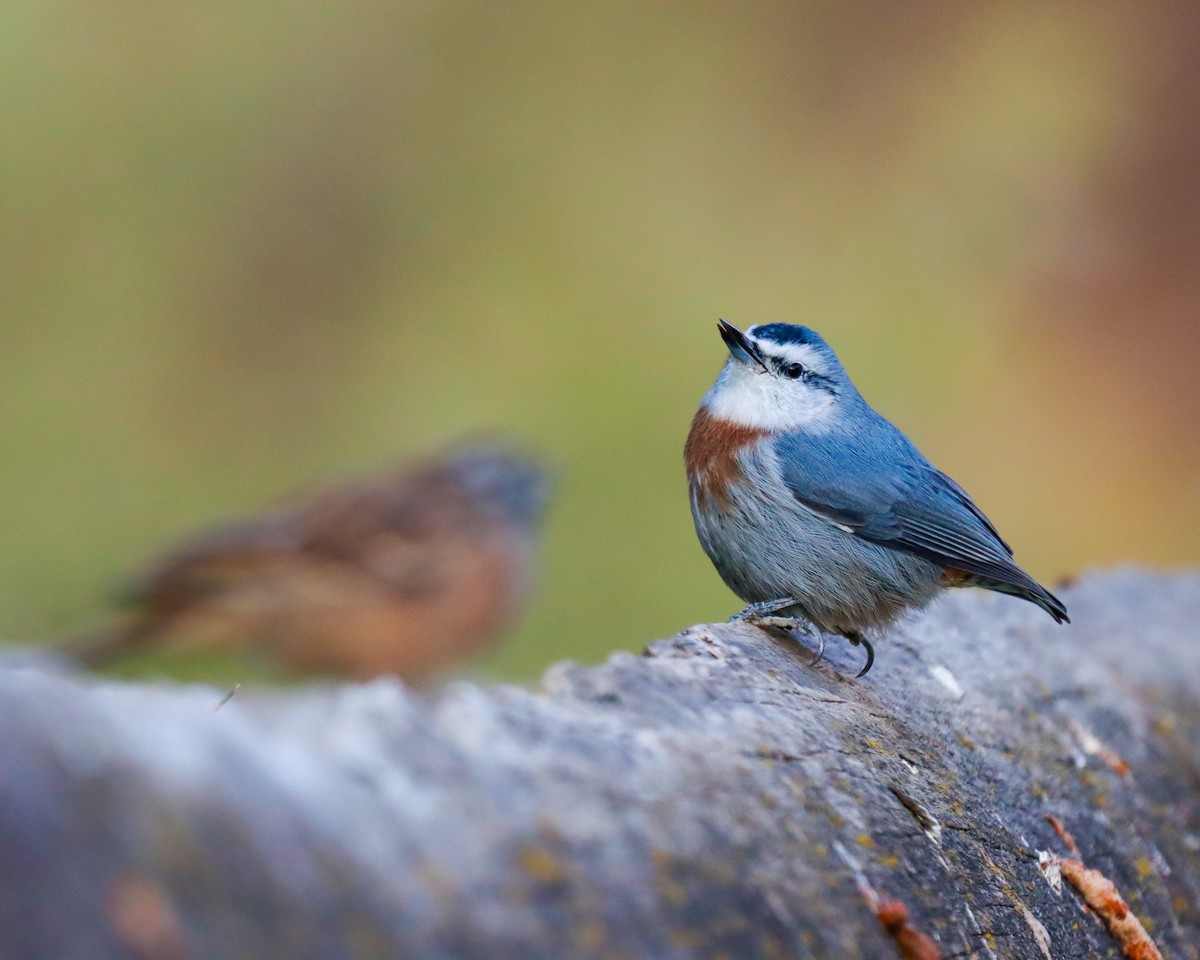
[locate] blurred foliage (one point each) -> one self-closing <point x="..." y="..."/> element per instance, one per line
<point x="249" y="246"/>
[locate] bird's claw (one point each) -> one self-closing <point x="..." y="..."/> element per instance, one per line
<point x="856" y="640"/>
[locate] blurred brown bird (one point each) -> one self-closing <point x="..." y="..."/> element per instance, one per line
<point x="403" y="573"/>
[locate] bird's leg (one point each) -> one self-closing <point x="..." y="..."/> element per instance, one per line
<point x="788" y="624"/>
<point x="761" y="615"/>
<point x="858" y="639"/>
<point x="763" y="610"/>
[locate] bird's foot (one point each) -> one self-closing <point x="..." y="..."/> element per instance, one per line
<point x="760" y="615"/>
<point x="764" y="610"/>
<point x="788" y="624"/>
<point x="857" y="639"/>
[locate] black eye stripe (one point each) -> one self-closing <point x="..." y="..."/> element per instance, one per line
<point x="792" y="369"/>
<point x="810" y="376"/>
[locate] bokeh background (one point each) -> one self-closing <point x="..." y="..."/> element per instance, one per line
<point x="244" y="247"/>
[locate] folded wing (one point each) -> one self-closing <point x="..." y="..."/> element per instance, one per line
<point x="876" y="485"/>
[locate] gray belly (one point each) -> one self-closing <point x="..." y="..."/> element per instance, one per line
<point x="768" y="547"/>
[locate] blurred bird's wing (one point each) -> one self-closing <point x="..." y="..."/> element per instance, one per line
<point x="875" y="484"/>
<point x="412" y="530"/>
<point x="225" y="550"/>
<point x="401" y="530"/>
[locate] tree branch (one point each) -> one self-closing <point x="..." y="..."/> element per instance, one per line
<point x="717" y="797"/>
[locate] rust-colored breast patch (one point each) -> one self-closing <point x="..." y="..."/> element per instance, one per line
<point x="711" y="456"/>
<point x="952" y="577"/>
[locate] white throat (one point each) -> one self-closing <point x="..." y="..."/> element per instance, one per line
<point x="750" y="398"/>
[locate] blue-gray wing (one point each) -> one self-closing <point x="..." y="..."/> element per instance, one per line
<point x="876" y="485"/>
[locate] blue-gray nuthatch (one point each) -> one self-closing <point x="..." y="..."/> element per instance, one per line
<point x="813" y="506"/>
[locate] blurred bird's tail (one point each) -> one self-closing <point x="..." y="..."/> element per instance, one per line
<point x="112" y="640"/>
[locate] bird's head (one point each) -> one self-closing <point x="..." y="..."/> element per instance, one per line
<point x="511" y="484"/>
<point x="779" y="376"/>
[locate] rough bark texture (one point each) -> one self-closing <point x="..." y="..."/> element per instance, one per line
<point x="715" y="798"/>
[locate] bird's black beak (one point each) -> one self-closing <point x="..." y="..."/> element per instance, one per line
<point x="741" y="348"/>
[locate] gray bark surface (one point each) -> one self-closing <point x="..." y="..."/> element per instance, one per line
<point x="717" y="797"/>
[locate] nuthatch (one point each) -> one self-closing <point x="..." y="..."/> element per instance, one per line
<point x="815" y="508"/>
<point x="401" y="573"/>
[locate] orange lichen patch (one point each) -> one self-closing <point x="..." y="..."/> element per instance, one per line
<point x="144" y="920"/>
<point x="952" y="577"/>
<point x="910" y="942"/>
<point x="1102" y="896"/>
<point x="710" y="455"/>
<point x="1094" y="747"/>
<point x="1064" y="835"/>
<point x="1115" y="762"/>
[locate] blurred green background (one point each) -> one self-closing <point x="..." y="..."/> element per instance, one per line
<point x="245" y="247"/>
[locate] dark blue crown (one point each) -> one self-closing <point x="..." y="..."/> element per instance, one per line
<point x="787" y="333"/>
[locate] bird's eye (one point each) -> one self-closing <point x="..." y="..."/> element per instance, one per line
<point x="793" y="371"/>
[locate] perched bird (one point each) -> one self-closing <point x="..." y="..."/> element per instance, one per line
<point x="815" y="508"/>
<point x="401" y="573"/>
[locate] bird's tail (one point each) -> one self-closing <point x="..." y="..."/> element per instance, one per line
<point x="112" y="640"/>
<point x="1033" y="592"/>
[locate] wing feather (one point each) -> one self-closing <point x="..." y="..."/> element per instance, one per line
<point x="876" y="485"/>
